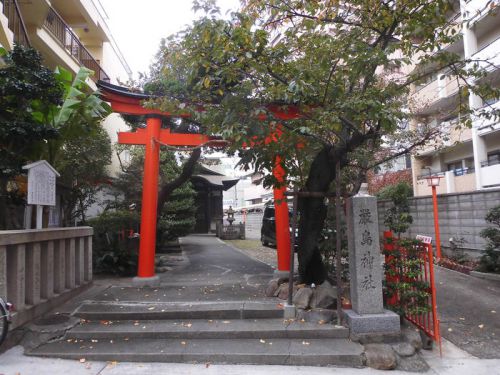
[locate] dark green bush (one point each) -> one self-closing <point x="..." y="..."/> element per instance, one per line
<point x="490" y="261"/>
<point x="397" y="218"/>
<point x="113" y="251"/>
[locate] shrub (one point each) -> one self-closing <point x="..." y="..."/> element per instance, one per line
<point x="490" y="261"/>
<point x="397" y="218"/>
<point x="113" y="251"/>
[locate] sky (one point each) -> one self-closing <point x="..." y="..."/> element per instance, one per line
<point x="139" y="25"/>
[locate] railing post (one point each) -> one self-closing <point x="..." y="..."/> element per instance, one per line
<point x="16" y="276"/>
<point x="3" y="272"/>
<point x="80" y="259"/>
<point x="87" y="273"/>
<point x="60" y="267"/>
<point x="47" y="274"/>
<point x="33" y="274"/>
<point x="70" y="264"/>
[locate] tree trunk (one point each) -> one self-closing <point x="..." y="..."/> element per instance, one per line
<point x="187" y="171"/>
<point x="312" y="217"/>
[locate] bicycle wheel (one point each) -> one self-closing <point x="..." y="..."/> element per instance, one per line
<point x="4" y="325"/>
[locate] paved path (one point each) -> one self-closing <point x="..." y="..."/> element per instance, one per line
<point x="209" y="270"/>
<point x="469" y="309"/>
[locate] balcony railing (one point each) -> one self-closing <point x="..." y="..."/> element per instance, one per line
<point x="16" y="23"/>
<point x="63" y="33"/>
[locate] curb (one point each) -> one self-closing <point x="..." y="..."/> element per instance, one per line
<point x="485" y="276"/>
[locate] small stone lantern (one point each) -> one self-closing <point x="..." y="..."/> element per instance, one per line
<point x="230" y="215"/>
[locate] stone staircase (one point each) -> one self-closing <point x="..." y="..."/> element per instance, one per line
<point x="238" y="332"/>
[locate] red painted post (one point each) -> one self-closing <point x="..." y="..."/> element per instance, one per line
<point x="281" y="218"/>
<point x="389" y="247"/>
<point x="149" y="199"/>
<point x="436" y="222"/>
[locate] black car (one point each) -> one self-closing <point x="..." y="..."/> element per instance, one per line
<point x="268" y="229"/>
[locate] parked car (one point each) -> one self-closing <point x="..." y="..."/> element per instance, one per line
<point x="268" y="228"/>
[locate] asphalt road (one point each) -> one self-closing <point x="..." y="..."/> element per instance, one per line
<point x="469" y="310"/>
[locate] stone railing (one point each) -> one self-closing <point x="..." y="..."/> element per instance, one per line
<point x="41" y="268"/>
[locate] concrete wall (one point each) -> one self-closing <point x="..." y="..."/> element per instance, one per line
<point x="461" y="215"/>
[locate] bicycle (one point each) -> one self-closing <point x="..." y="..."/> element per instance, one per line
<point x="5" y="309"/>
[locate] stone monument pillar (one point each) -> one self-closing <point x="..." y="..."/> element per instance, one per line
<point x="365" y="268"/>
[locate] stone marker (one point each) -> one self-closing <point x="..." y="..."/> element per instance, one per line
<point x="367" y="314"/>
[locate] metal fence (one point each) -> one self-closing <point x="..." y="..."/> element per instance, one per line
<point x="63" y="33"/>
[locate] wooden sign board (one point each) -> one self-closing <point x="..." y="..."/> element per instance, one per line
<point x="41" y="183"/>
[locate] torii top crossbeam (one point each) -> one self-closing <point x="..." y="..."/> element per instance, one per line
<point x="125" y="101"/>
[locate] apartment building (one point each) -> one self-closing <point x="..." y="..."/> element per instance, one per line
<point x="468" y="159"/>
<point x="71" y="34"/>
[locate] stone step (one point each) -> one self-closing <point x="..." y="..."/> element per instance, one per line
<point x="109" y="310"/>
<point x="205" y="329"/>
<point x="299" y="352"/>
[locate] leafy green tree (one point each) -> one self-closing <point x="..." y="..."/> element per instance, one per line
<point x="330" y="59"/>
<point x="25" y="86"/>
<point x="176" y="215"/>
<point x="83" y="167"/>
<point x="490" y="261"/>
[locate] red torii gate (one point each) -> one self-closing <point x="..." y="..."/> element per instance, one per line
<point x="126" y="102"/>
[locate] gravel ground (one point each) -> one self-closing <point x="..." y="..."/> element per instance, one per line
<point x="255" y="250"/>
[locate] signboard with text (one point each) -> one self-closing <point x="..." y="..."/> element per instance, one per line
<point x="41" y="183"/>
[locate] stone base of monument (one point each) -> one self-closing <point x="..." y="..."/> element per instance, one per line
<point x="386" y="322"/>
<point x="140" y="282"/>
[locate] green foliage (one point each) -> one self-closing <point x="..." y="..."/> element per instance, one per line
<point x="177" y="217"/>
<point x="25" y="85"/>
<point x="113" y="251"/>
<point x="80" y="114"/>
<point x="404" y="270"/>
<point x="398" y="218"/>
<point x="83" y="167"/>
<point x="490" y="261"/>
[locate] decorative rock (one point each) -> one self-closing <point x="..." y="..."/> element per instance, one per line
<point x="272" y="287"/>
<point x="316" y="315"/>
<point x="404" y="349"/>
<point x="412" y="364"/>
<point x="302" y="298"/>
<point x="324" y="296"/>
<point x="412" y="336"/>
<point x="380" y="357"/>
<point x="282" y="292"/>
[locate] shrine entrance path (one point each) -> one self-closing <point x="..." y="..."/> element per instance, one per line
<point x="208" y="270"/>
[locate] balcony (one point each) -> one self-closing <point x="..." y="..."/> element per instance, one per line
<point x="455" y="181"/>
<point x="490" y="172"/>
<point x="489" y="56"/>
<point x="437" y="95"/>
<point x="71" y="43"/>
<point x="15" y="22"/>
<point x="484" y="125"/>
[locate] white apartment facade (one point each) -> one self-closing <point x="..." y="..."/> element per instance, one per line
<point x="468" y="159"/>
